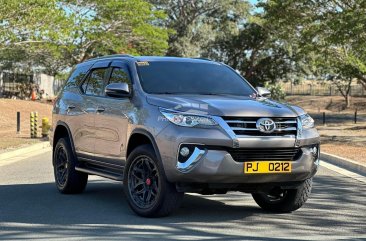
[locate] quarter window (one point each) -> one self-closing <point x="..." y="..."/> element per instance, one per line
<point x="78" y="74"/>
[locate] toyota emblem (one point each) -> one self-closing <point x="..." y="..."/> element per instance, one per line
<point x="266" y="125"/>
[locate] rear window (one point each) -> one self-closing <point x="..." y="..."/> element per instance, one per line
<point x="94" y="84"/>
<point x="163" y="77"/>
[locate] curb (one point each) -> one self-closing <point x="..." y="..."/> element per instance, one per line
<point x="24" y="150"/>
<point x="344" y="163"/>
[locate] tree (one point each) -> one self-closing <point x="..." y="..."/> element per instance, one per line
<point x="229" y="32"/>
<point x="196" y="23"/>
<point x="330" y="31"/>
<point x="256" y="52"/>
<point x="59" y="34"/>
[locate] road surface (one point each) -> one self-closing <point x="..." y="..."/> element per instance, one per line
<point x="32" y="208"/>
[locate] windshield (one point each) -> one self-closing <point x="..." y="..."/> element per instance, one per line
<point x="163" y="77"/>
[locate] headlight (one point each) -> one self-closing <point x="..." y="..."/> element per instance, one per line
<point x="189" y="120"/>
<point x="306" y="121"/>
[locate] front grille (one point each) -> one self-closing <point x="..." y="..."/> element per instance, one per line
<point x="247" y="126"/>
<point x="264" y="154"/>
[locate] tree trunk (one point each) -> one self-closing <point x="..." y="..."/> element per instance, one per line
<point x="348" y="102"/>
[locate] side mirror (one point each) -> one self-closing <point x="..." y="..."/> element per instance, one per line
<point x="263" y="92"/>
<point x="117" y="90"/>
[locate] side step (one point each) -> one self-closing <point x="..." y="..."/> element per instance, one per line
<point x="94" y="171"/>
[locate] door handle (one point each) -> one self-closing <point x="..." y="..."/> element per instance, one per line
<point x="70" y="107"/>
<point x="89" y="110"/>
<point x="100" y="109"/>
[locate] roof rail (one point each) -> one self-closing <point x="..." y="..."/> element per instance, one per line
<point x="110" y="56"/>
<point x="203" y="58"/>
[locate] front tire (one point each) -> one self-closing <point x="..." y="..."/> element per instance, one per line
<point x="68" y="180"/>
<point x="148" y="192"/>
<point x="284" y="201"/>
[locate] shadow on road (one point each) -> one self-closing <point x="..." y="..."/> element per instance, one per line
<point x="102" y="210"/>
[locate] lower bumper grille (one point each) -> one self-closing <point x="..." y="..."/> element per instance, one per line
<point x="280" y="154"/>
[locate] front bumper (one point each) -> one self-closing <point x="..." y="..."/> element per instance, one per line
<point x="218" y="166"/>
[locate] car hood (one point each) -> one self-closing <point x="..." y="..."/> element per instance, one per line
<point x="225" y="105"/>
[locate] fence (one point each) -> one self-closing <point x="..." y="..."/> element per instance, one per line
<point x="21" y="85"/>
<point x="339" y="118"/>
<point x="321" y="90"/>
<point x="14" y="84"/>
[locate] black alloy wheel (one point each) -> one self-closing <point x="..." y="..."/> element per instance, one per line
<point x="144" y="183"/>
<point x="61" y="166"/>
<point x="68" y="180"/>
<point x="148" y="191"/>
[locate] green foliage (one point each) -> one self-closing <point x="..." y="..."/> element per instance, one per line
<point x="330" y="34"/>
<point x="55" y="35"/>
<point x="228" y="31"/>
<point x="288" y="40"/>
<point x="196" y="24"/>
<point x="257" y="53"/>
<point x="277" y="92"/>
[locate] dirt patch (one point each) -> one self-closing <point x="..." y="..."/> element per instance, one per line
<point x="348" y="151"/>
<point x="340" y="135"/>
<point x="356" y="128"/>
<point x="327" y="103"/>
<point x="8" y="112"/>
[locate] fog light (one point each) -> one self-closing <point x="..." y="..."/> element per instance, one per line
<point x="184" y="151"/>
<point x="314" y="150"/>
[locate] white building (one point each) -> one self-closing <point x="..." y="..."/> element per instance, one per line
<point x="20" y="85"/>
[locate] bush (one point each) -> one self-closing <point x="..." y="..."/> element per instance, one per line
<point x="277" y="93"/>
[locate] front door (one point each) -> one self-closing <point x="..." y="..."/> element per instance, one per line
<point x="111" y="119"/>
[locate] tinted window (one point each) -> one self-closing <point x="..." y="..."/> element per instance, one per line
<point x="120" y="75"/>
<point x="78" y="74"/>
<point x="161" y="77"/>
<point x="94" y="85"/>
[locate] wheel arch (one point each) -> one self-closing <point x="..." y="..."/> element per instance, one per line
<point x="146" y="137"/>
<point x="62" y="130"/>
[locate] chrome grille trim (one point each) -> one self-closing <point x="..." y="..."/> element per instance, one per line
<point x="246" y="126"/>
<point x="255" y="129"/>
<point x="239" y="121"/>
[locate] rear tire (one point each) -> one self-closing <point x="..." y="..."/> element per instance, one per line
<point x="68" y="180"/>
<point x="284" y="201"/>
<point x="148" y="192"/>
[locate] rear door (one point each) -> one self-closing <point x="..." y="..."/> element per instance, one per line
<point x="77" y="119"/>
<point x="111" y="122"/>
<point x="92" y="92"/>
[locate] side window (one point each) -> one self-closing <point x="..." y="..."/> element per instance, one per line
<point x="94" y="84"/>
<point x="120" y="75"/>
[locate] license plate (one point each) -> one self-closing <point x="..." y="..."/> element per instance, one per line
<point x="260" y="167"/>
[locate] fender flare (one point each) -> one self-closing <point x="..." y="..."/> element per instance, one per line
<point x="63" y="124"/>
<point x="151" y="138"/>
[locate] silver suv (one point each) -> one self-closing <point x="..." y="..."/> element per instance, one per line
<point x="165" y="126"/>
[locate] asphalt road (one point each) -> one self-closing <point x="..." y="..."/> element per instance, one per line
<point x="31" y="207"/>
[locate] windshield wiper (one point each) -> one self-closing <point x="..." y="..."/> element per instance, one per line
<point x="185" y="93"/>
<point x="219" y="94"/>
<point x="170" y="93"/>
